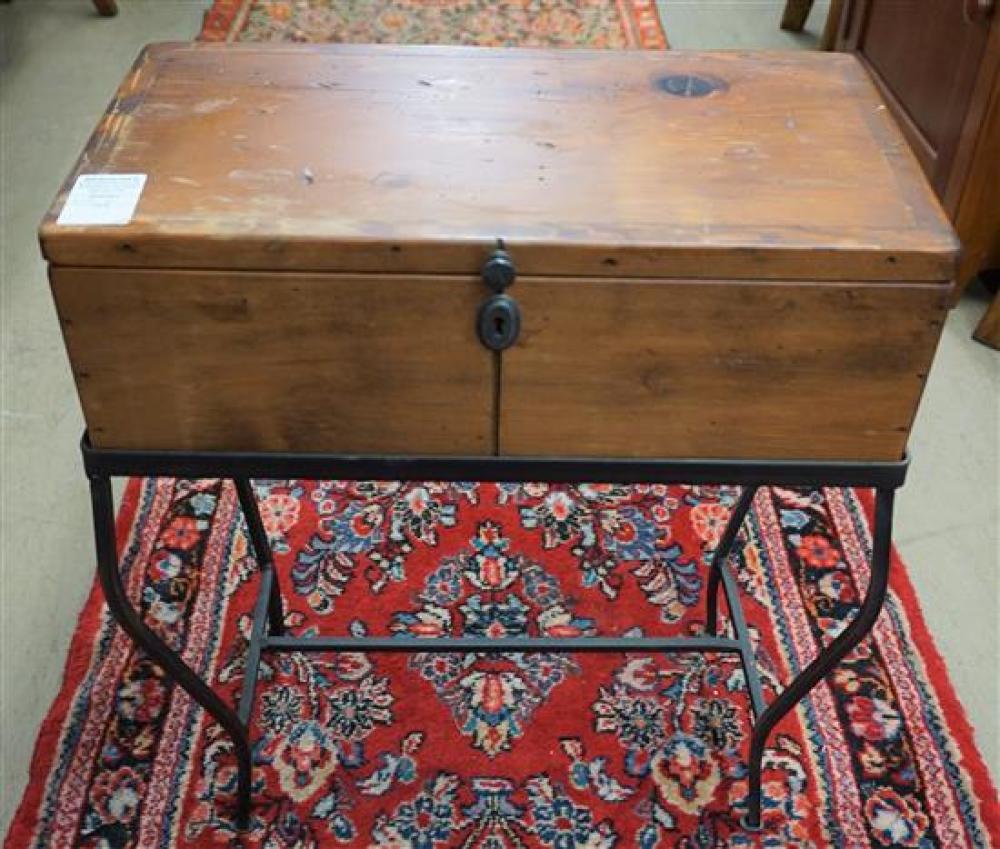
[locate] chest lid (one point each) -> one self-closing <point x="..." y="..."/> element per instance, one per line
<point x="418" y="159"/>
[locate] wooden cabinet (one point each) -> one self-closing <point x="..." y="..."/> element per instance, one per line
<point x="717" y="255"/>
<point x="937" y="62"/>
<point x="925" y="55"/>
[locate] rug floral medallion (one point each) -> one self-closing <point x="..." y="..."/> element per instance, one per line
<point x="521" y="750"/>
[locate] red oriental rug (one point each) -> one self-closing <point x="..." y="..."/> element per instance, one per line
<point x="521" y="23"/>
<point x="521" y="750"/>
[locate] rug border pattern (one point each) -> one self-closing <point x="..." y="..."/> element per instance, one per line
<point x="817" y="712"/>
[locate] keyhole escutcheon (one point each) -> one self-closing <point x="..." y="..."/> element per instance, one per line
<point x="499" y="322"/>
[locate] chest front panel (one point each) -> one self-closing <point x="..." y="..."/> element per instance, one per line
<point x="292" y="362"/>
<point x="393" y="364"/>
<point x="731" y="369"/>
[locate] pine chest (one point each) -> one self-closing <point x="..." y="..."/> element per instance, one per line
<point x="430" y="250"/>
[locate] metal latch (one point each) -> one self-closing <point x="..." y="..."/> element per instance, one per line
<point x="499" y="271"/>
<point x="499" y="320"/>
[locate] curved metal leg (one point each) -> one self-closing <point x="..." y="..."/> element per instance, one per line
<point x="829" y="657"/>
<point x="721" y="555"/>
<point x="262" y="551"/>
<point x="131" y="622"/>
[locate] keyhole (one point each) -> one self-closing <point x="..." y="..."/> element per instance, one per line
<point x="498" y="322"/>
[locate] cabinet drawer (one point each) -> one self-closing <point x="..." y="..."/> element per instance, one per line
<point x="278" y="362"/>
<point x="727" y="369"/>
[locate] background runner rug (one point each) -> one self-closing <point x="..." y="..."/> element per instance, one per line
<point x="524" y="23"/>
<point x="514" y="751"/>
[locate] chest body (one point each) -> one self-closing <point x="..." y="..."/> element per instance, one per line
<point x="712" y="255"/>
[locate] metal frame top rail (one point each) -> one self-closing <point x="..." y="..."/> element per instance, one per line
<point x="277" y="465"/>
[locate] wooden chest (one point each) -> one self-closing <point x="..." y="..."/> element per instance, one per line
<point x="715" y="255"/>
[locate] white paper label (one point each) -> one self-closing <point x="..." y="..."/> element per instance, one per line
<point x="102" y="199"/>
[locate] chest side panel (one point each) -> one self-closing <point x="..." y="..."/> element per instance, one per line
<point x="715" y="369"/>
<point x="291" y="362"/>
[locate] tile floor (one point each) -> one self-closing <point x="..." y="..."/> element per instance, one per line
<point x="59" y="64"/>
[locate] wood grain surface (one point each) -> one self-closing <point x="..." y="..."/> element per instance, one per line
<point x="294" y="362"/>
<point x="717" y="368"/>
<point x="416" y="159"/>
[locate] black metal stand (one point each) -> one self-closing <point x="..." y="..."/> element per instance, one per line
<point x="267" y="632"/>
